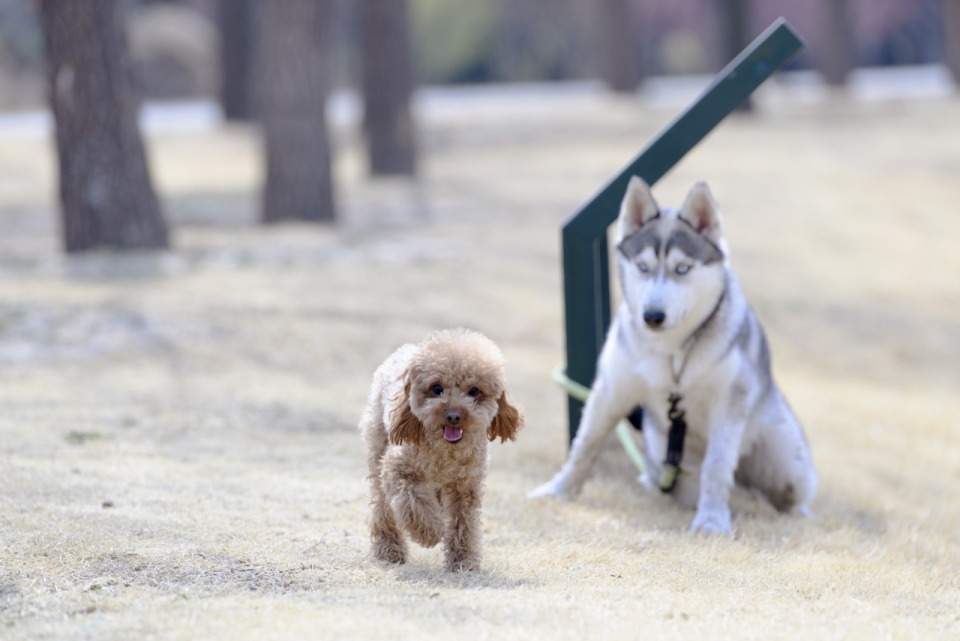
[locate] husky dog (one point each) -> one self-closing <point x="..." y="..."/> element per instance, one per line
<point x="686" y="346"/>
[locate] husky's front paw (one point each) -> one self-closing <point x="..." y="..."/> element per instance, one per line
<point x="555" y="488"/>
<point x="712" y="522"/>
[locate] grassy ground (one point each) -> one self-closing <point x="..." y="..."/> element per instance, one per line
<point x="178" y="446"/>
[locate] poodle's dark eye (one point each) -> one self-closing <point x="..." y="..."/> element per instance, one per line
<point x="437" y="389"/>
<point x="474" y="392"/>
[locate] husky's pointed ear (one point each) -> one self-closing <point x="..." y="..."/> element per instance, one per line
<point x="702" y="213"/>
<point x="507" y="422"/>
<point x="405" y="426"/>
<point x="637" y="208"/>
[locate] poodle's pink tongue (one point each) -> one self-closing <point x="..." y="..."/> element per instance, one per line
<point x="452" y="434"/>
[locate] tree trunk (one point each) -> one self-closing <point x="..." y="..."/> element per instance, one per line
<point x="294" y="78"/>
<point x="621" y="45"/>
<point x="734" y="23"/>
<point x="387" y="87"/>
<point x="105" y="191"/>
<point x="837" y="62"/>
<point x="236" y="18"/>
<point x="951" y="36"/>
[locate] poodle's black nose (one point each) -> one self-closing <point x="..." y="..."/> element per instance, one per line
<point x="654" y="317"/>
<point x="454" y="417"/>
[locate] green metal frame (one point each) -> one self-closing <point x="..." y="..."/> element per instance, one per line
<point x="586" y="270"/>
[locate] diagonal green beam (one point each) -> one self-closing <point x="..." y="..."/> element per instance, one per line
<point x="586" y="277"/>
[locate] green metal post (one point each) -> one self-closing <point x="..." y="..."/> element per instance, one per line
<point x="586" y="277"/>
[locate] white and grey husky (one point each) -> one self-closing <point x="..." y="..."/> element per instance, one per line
<point x="686" y="346"/>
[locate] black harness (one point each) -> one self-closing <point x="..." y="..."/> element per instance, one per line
<point x="678" y="431"/>
<point x="675" y="438"/>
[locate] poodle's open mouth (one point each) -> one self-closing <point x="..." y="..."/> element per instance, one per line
<point x="452" y="434"/>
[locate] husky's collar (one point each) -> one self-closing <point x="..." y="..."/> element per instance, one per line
<point x="702" y="328"/>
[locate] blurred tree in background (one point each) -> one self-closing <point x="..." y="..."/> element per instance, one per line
<point x="294" y="78"/>
<point x="733" y="21"/>
<point x="735" y="33"/>
<point x="951" y="27"/>
<point x="237" y="21"/>
<point x="105" y="191"/>
<point x="838" y="49"/>
<point x="622" y="46"/>
<point x="387" y="81"/>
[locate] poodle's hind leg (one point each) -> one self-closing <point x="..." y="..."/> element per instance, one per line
<point x="414" y="504"/>
<point x="463" y="543"/>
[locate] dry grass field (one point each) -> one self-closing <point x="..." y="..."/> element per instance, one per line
<point x="179" y="456"/>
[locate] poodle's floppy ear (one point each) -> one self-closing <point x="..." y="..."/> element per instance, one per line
<point x="406" y="427"/>
<point x="507" y="422"/>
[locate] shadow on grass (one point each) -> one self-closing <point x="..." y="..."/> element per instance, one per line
<point x="484" y="579"/>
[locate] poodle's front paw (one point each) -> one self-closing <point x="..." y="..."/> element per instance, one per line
<point x="555" y="488"/>
<point x="420" y="519"/>
<point x="712" y="522"/>
<point x="467" y="564"/>
<point x="390" y="551"/>
<point x="426" y="536"/>
<point x="425" y="529"/>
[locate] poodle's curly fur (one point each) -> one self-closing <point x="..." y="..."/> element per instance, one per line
<point x="431" y="411"/>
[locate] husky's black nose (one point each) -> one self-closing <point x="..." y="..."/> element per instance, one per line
<point x="454" y="417"/>
<point x="654" y="317"/>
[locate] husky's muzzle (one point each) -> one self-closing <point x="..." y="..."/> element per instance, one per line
<point x="654" y="318"/>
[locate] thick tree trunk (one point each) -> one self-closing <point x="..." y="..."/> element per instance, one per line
<point x="837" y="62"/>
<point x="294" y="78"/>
<point x="734" y="23"/>
<point x="387" y="87"/>
<point x="236" y="18"/>
<point x="951" y="36"/>
<point x="106" y="195"/>
<point x="622" y="62"/>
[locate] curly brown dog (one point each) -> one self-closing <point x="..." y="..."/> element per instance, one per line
<point x="431" y="411"/>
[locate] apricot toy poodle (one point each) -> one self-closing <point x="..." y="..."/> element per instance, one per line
<point x="431" y="411"/>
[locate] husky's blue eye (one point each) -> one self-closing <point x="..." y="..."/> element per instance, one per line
<point x="643" y="267"/>
<point x="682" y="269"/>
<point x="437" y="389"/>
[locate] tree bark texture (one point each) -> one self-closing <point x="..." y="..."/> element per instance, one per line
<point x="734" y="23"/>
<point x="387" y="87"/>
<point x="620" y="44"/>
<point x="106" y="195"/>
<point x="236" y="18"/>
<point x="838" y="47"/>
<point x="951" y="36"/>
<point x="294" y="78"/>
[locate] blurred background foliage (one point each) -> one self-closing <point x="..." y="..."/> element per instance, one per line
<point x="174" y="47"/>
<point x="502" y="40"/>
